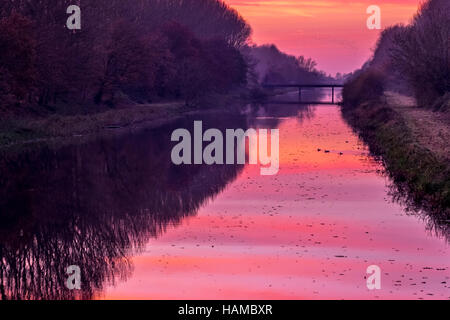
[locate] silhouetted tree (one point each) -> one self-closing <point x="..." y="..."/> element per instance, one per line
<point x="421" y="51"/>
<point x="274" y="66"/>
<point x="120" y="49"/>
<point x="226" y="65"/>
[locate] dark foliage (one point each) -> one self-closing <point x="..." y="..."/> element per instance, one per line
<point x="141" y="50"/>
<point x="17" y="60"/>
<point x="365" y="87"/>
<point x="273" y="66"/>
<point x="414" y="59"/>
<point x="421" y="51"/>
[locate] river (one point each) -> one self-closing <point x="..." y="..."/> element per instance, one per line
<point x="140" y="227"/>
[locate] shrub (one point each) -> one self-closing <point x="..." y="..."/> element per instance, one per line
<point x="364" y="87"/>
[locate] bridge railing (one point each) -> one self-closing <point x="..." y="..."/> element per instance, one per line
<point x="301" y="86"/>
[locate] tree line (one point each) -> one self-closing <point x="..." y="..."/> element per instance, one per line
<point x="140" y="50"/>
<point x="276" y="67"/>
<point x="413" y="58"/>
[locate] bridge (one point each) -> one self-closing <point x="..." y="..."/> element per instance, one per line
<point x="301" y="86"/>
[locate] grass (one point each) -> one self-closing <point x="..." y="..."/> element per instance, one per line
<point x="20" y="130"/>
<point x="413" y="164"/>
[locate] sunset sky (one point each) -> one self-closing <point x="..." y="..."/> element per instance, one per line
<point x="332" y="32"/>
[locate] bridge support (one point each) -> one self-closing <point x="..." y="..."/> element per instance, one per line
<point x="300" y="94"/>
<point x="332" y="94"/>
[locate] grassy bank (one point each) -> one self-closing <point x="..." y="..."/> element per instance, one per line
<point x="16" y="130"/>
<point x="411" y="155"/>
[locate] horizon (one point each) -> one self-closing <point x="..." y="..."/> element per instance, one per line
<point x="331" y="32"/>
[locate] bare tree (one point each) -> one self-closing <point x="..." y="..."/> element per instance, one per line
<point x="421" y="51"/>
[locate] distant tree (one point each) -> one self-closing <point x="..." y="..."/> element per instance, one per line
<point x="274" y="66"/>
<point x="307" y="64"/>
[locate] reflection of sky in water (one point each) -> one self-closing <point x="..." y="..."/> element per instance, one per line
<point x="118" y="208"/>
<point x="309" y="232"/>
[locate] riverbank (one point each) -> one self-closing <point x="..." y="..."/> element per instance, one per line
<point x="29" y="129"/>
<point x="413" y="144"/>
<point x="24" y="130"/>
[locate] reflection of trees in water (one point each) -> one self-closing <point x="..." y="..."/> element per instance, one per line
<point x="94" y="205"/>
<point x="435" y="216"/>
<point x="401" y="194"/>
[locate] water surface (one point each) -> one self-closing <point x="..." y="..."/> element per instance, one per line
<point x="310" y="232"/>
<point x="140" y="227"/>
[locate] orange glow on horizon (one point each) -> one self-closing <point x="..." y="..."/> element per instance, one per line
<point x="332" y="32"/>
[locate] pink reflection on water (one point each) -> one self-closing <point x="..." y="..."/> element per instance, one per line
<point x="308" y="233"/>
